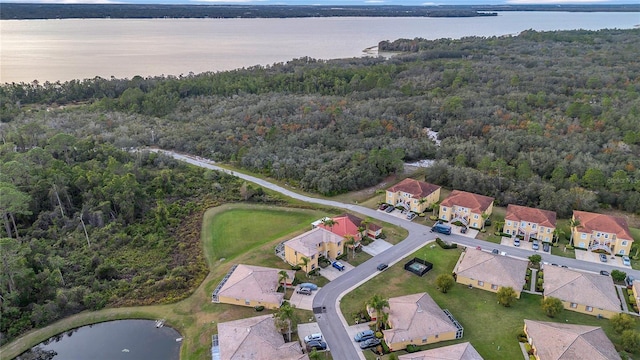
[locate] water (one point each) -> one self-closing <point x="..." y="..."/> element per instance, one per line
<point x="50" y="50"/>
<point x="122" y="339"/>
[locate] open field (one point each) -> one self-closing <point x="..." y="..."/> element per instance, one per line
<point x="490" y="327"/>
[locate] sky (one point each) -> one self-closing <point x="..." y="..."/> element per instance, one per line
<point x="334" y="2"/>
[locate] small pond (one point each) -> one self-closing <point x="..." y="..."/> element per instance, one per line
<point x="113" y="340"/>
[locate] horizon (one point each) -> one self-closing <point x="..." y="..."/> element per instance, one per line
<point x="330" y="2"/>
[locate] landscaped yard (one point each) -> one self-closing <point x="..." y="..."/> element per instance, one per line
<point x="490" y="327"/>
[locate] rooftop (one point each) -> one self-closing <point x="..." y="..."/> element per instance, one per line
<point x="495" y="269"/>
<point x="255" y="283"/>
<point x="581" y="288"/>
<point x="307" y="243"/>
<point x="347" y="224"/>
<point x="463" y="351"/>
<point x="590" y="222"/>
<point x="538" y="216"/>
<point x="418" y="189"/>
<point x="476" y="203"/>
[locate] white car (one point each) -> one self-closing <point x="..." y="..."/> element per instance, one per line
<point x="626" y="261"/>
<point x="313" y="337"/>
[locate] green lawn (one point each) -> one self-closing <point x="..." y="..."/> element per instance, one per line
<point x="490" y="327"/>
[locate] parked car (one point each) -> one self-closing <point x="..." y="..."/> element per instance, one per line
<point x="626" y="261"/>
<point x="516" y="242"/>
<point x="383" y="206"/>
<point x="364" y="335"/>
<point x="463" y="230"/>
<point x="603" y="257"/>
<point x="411" y="215"/>
<point x="382" y="266"/>
<point x="545" y="247"/>
<point x="629" y="281"/>
<point x="369" y="343"/>
<point x="313" y="337"/>
<point x="535" y="245"/>
<point x="316" y="344"/>
<point x="304" y="291"/>
<point x="604" y="272"/>
<point x="338" y="265"/>
<point x="441" y="228"/>
<point x="389" y="209"/>
<point x="311" y="286"/>
<point x="495" y="251"/>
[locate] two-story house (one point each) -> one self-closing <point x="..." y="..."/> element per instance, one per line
<point x="413" y="195"/>
<point x="351" y="225"/>
<point x="530" y="223"/>
<point x="466" y="207"/>
<point x="311" y="245"/>
<point x="601" y="232"/>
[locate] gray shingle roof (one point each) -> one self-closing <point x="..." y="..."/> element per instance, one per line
<point x="581" y="288"/>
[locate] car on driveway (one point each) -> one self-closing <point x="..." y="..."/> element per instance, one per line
<point x="369" y="343"/>
<point x="382" y="266"/>
<point x="364" y="335"/>
<point x="516" y="242"/>
<point x="338" y="265"/>
<point x="604" y="272"/>
<point x="545" y="247"/>
<point x="629" y="281"/>
<point x="304" y="291"/>
<point x="313" y="337"/>
<point x="603" y="257"/>
<point x="411" y="215"/>
<point x="389" y="209"/>
<point x="463" y="230"/>
<point x="535" y="245"/>
<point x="317" y="344"/>
<point x="383" y="206"/>
<point x="626" y="261"/>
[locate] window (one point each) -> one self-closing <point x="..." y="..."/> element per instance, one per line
<point x="624" y="242"/>
<point x="339" y="243"/>
<point x="480" y="283"/>
<point x="475" y="216"/>
<point x="534" y="226"/>
<point x="475" y="225"/>
<point x="444" y="209"/>
<point x="589" y="308"/>
<point x="582" y="244"/>
<point x="313" y="257"/>
<point x="509" y="223"/>
<point x="597" y="234"/>
<point x="313" y="266"/>
<point x="339" y="252"/>
<point x="247" y="302"/>
<point x="574" y="305"/>
<point x="295" y="253"/>
<point x="583" y="236"/>
<point x="621" y="252"/>
<point x="424" y="340"/>
<point x="548" y="230"/>
<point x="494" y="287"/>
<point x="507" y="231"/>
<point x="436" y="336"/>
<point x="606" y="236"/>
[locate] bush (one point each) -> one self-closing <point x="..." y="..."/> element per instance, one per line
<point x="379" y="335"/>
<point x="259" y="308"/>
<point x="411" y="348"/>
<point x="444" y="245"/>
<point x="296" y="267"/>
<point x="385" y="347"/>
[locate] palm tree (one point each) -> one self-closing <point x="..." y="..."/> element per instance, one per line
<point x="365" y="224"/>
<point x="350" y="241"/>
<point x="286" y="318"/>
<point x="436" y="205"/>
<point x="422" y="201"/>
<point x="378" y="303"/>
<point x="573" y="224"/>
<point x="314" y="354"/>
<point x="556" y="235"/>
<point x="304" y="262"/>
<point x="484" y="218"/>
<point x="282" y="277"/>
<point x="500" y="225"/>
<point x="329" y="223"/>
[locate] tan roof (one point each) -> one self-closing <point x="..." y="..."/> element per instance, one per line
<point x="256" y="338"/>
<point x="418" y="189"/>
<point x="560" y="341"/>
<point x="463" y="351"/>
<point x="255" y="283"/>
<point x="538" y="216"/>
<point x="476" y="203"/>
<point x="581" y="288"/>
<point x="307" y="243"/>
<point x="415" y="316"/>
<point x="590" y="222"/>
<point x="499" y="270"/>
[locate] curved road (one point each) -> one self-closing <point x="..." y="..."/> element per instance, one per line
<point x="330" y="320"/>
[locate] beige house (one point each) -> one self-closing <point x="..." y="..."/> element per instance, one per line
<point x="417" y="319"/>
<point x="248" y="285"/>
<point x="255" y="338"/>
<point x="462" y="351"/>
<point x="636" y="291"/>
<point x="556" y="341"/>
<point x="311" y="245"/>
<point x="490" y="272"/>
<point x="586" y="293"/>
<point x="413" y="195"/>
<point x="601" y="232"/>
<point x="466" y="207"/>
<point x="530" y="223"/>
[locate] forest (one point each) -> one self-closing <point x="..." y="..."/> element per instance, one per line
<point x="543" y="119"/>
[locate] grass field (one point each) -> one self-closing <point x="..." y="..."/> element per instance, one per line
<point x="490" y="327"/>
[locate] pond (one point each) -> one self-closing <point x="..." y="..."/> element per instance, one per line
<point x="122" y="339"/>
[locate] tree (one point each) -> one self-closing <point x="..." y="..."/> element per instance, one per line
<point x="557" y="233"/>
<point x="283" y="276"/>
<point x="350" y="241"/>
<point x="506" y="296"/>
<point x="378" y="303"/>
<point x="314" y="354"/>
<point x="304" y="262"/>
<point x="622" y="322"/>
<point x="365" y="224"/>
<point x="535" y="259"/>
<point x="12" y="202"/>
<point x="618" y="275"/>
<point x="485" y="216"/>
<point x="445" y="282"/>
<point x="286" y="318"/>
<point x="330" y="223"/>
<point x="630" y="340"/>
<point x="552" y="306"/>
<point x="499" y="225"/>
<point x="573" y="225"/>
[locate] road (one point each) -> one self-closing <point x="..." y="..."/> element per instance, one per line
<point x="330" y="319"/>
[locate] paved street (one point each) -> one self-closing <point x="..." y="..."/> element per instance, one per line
<point x="326" y="301"/>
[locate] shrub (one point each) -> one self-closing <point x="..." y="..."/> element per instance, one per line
<point x="296" y="267"/>
<point x="385" y="347"/>
<point x="411" y="348"/>
<point x="433" y="218"/>
<point x="259" y="308"/>
<point x="379" y="335"/>
<point x="444" y="245"/>
<point x="618" y="275"/>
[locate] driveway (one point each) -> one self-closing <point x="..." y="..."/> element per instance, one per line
<point x="308" y="329"/>
<point x="525" y="245"/>
<point x="301" y="301"/>
<point x="589" y="256"/>
<point x="376" y="247"/>
<point x="331" y="273"/>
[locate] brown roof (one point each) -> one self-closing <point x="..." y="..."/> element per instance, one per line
<point x="560" y="341"/>
<point x="463" y="351"/>
<point x="416" y="316"/>
<point x="255" y="283"/>
<point x="476" y="203"/>
<point x="590" y="222"/>
<point x="538" y="216"/>
<point x="418" y="189"/>
<point x="307" y="243"/>
<point x="256" y="338"/>
<point x="494" y="269"/>
<point x="581" y="288"/>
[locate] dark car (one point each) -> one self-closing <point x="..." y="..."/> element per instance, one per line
<point x="545" y="247"/>
<point x="369" y="343"/>
<point x="604" y="272"/>
<point x="495" y="251"/>
<point x="383" y="206"/>
<point x="317" y="344"/>
<point x="338" y="265"/>
<point x="463" y="230"/>
<point x="382" y="266"/>
<point x="389" y="209"/>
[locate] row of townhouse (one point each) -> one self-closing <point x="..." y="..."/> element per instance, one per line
<point x="591" y="231"/>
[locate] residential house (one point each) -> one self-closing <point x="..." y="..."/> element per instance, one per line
<point x="351" y="225"/>
<point x="248" y="285"/>
<point x="462" y="351"/>
<point x="413" y="195"/>
<point x="601" y="232"/>
<point x="635" y="288"/>
<point x="586" y="293"/>
<point x="255" y="338"/>
<point x="530" y="223"/>
<point x="468" y="208"/>
<point x="556" y="341"/>
<point x="488" y="271"/>
<point x="311" y="245"/>
<point x="417" y="319"/>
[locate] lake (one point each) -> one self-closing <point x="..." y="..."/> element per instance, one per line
<point x="113" y="340"/>
<point x="51" y="50"/>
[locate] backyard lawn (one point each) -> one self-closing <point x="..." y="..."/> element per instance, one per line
<point x="490" y="327"/>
